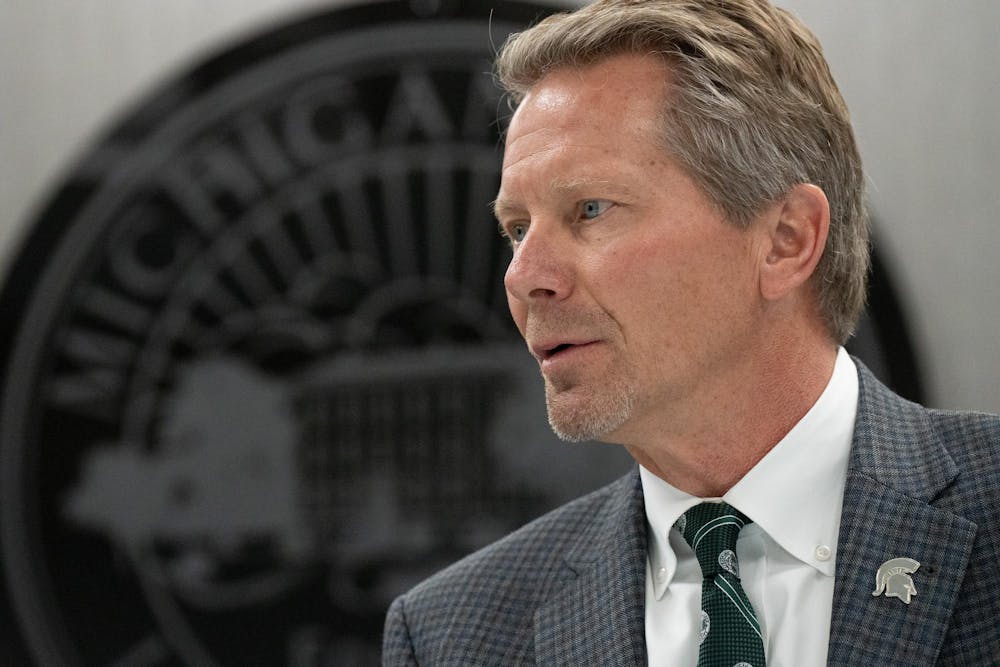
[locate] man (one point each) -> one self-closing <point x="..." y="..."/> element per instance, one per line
<point x="684" y="198"/>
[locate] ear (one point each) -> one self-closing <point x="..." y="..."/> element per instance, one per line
<point x="796" y="237"/>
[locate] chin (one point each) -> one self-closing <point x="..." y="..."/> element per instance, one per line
<point x="595" y="417"/>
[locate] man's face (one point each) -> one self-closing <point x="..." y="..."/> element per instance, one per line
<point x="632" y="291"/>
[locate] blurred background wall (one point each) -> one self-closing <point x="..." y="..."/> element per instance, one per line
<point x="921" y="78"/>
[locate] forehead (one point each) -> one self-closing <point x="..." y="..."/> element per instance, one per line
<point x="586" y="123"/>
<point x="627" y="90"/>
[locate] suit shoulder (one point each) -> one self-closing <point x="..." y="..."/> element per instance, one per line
<point x="973" y="442"/>
<point x="481" y="608"/>
<point x="972" y="439"/>
<point x="532" y="550"/>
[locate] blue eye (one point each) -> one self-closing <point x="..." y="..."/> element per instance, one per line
<point x="594" y="207"/>
<point x="514" y="233"/>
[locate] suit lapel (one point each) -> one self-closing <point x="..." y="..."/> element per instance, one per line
<point x="898" y="466"/>
<point x="599" y="616"/>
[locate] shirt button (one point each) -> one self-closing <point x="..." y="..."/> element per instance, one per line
<point x="661" y="574"/>
<point x="823" y="552"/>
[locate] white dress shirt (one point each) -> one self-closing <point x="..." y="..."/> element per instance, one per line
<point x="794" y="496"/>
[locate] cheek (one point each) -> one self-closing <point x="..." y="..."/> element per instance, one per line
<point x="673" y="290"/>
<point x="658" y="272"/>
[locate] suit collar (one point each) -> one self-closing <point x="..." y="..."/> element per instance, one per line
<point x="896" y="444"/>
<point x="599" y="616"/>
<point x="898" y="466"/>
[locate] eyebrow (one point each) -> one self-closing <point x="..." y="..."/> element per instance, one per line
<point x="571" y="184"/>
<point x="498" y="206"/>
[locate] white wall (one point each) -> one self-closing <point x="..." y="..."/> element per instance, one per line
<point x="67" y="68"/>
<point x="921" y="77"/>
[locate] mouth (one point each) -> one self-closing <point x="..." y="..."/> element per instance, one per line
<point x="557" y="349"/>
<point x="549" y="351"/>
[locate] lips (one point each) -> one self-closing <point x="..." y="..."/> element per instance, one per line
<point x="549" y="350"/>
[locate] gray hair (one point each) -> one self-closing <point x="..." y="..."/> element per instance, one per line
<point x="752" y="110"/>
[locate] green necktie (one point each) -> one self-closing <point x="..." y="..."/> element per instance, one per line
<point x="730" y="633"/>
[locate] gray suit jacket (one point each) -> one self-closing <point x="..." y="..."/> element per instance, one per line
<point x="567" y="589"/>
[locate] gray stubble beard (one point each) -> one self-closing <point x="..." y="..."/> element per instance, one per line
<point x="599" y="416"/>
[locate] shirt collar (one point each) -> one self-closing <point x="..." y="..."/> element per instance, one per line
<point x="795" y="493"/>
<point x="664" y="505"/>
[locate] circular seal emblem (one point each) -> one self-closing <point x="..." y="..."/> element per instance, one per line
<point x="258" y="371"/>
<point x="258" y="374"/>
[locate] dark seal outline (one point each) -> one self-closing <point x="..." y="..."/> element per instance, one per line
<point x="889" y="332"/>
<point x="130" y="128"/>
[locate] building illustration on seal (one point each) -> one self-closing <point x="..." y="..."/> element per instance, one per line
<point x="266" y="378"/>
<point x="259" y="374"/>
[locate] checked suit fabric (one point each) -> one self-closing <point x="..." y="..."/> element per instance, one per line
<point x="568" y="589"/>
<point x="730" y="634"/>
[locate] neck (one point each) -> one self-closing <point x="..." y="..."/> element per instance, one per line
<point x="706" y="447"/>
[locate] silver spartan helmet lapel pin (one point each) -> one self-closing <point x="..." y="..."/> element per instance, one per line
<point x="893" y="578"/>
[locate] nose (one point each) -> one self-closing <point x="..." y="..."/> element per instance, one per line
<point x="540" y="268"/>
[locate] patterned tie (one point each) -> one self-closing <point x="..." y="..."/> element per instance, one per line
<point x="730" y="634"/>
